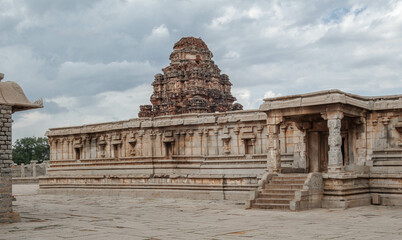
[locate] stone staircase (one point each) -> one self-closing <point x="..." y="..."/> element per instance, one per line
<point x="279" y="191"/>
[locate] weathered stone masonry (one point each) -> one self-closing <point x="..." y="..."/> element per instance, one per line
<point x="192" y="83"/>
<point x="12" y="99"/>
<point x="6" y="197"/>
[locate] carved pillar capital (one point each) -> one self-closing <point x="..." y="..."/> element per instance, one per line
<point x="385" y="120"/>
<point x="332" y="114"/>
<point x="236" y="131"/>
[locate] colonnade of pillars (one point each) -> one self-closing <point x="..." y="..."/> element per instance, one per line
<point x="335" y="158"/>
<point x="204" y="142"/>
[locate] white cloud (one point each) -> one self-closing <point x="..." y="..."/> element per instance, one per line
<point x="271" y="94"/>
<point x="232" y="55"/>
<point x="103" y="107"/>
<point x="29" y="119"/>
<point x="160" y="32"/>
<point x="231" y="14"/>
<point x="254" y="13"/>
<point x="228" y="16"/>
<point x="247" y="98"/>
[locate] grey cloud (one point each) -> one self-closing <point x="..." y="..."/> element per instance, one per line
<point x="52" y="107"/>
<point x="81" y="49"/>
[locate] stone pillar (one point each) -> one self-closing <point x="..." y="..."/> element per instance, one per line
<point x="205" y="145"/>
<point x="242" y="150"/>
<point x="182" y="145"/>
<point x="303" y="149"/>
<point x="259" y="139"/>
<point x="123" y="146"/>
<point x="216" y="132"/>
<point x="361" y="139"/>
<point x="190" y="134"/>
<point x="22" y="168"/>
<point x="335" y="161"/>
<point x="160" y="143"/>
<point x="152" y="137"/>
<point x="93" y="147"/>
<point x="33" y="165"/>
<point x="87" y="147"/>
<point x="69" y="146"/>
<point x="274" y="155"/>
<point x="253" y="144"/>
<point x="283" y="142"/>
<point x="52" y="144"/>
<point x="236" y="131"/>
<point x="199" y="142"/>
<point x="72" y="150"/>
<point x="6" y="211"/>
<point x="56" y="149"/>
<point x="46" y="165"/>
<point x="66" y="149"/>
<point x="177" y="143"/>
<point x="110" y="153"/>
<point x="61" y="146"/>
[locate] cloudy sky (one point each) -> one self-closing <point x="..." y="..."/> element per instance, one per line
<point x="94" y="61"/>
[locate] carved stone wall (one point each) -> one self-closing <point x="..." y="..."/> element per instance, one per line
<point x="190" y="136"/>
<point x="192" y="83"/>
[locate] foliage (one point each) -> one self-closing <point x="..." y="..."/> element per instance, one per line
<point x="31" y="148"/>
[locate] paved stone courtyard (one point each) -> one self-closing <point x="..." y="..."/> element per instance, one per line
<point x="94" y="217"/>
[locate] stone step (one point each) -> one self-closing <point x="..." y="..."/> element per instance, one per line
<point x="271" y="206"/>
<point x="292" y="175"/>
<point x="388" y="163"/>
<point x="284" y="186"/>
<point x="273" y="200"/>
<point x="276" y="195"/>
<point x="289" y="177"/>
<point x="287" y="181"/>
<point x="279" y="191"/>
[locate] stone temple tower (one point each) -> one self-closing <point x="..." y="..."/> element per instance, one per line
<point x="192" y="83"/>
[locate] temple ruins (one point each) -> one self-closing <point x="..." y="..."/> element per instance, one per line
<point x="322" y="149"/>
<point x="192" y="83"/>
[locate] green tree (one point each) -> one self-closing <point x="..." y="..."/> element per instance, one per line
<point x="31" y="148"/>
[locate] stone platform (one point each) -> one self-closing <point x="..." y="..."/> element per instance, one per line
<point x="118" y="217"/>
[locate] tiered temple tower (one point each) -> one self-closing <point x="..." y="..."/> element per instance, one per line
<point x="192" y="83"/>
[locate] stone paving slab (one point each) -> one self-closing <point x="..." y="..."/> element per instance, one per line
<point x="95" y="217"/>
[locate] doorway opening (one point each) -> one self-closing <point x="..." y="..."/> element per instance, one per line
<point x="168" y="150"/>
<point x="248" y="146"/>
<point x="77" y="153"/>
<point x="317" y="151"/>
<point x="116" y="151"/>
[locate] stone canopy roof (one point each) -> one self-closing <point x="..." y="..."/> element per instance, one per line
<point x="333" y="96"/>
<point x="11" y="94"/>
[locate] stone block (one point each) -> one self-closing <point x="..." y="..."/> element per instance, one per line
<point x="376" y="199"/>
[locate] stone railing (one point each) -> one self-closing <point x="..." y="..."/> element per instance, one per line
<point x="311" y="194"/>
<point x="29" y="173"/>
<point x="253" y="195"/>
